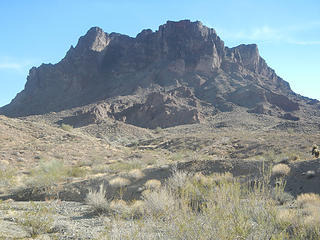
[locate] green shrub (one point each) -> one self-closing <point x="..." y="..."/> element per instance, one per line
<point x="38" y="220"/>
<point x="51" y="173"/>
<point x="7" y="176"/>
<point x="76" y="171"/>
<point x="66" y="127"/>
<point x="126" y="166"/>
<point x="158" y="130"/>
<point x="48" y="173"/>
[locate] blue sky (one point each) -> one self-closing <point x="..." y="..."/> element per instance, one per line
<point x="287" y="32"/>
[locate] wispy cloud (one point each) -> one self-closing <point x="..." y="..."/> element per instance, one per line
<point x="10" y="65"/>
<point x="291" y="34"/>
<point x="305" y="42"/>
<point x="304" y="26"/>
<point x="262" y="33"/>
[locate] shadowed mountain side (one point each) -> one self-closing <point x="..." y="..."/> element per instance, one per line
<point x="179" y="74"/>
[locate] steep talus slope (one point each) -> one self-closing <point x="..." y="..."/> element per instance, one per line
<point x="179" y="74"/>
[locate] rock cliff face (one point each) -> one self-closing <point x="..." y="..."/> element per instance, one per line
<point x="154" y="67"/>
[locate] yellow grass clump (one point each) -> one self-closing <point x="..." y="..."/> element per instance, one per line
<point x="286" y="216"/>
<point x="153" y="184"/>
<point x="119" y="206"/>
<point x="280" y="170"/>
<point x="97" y="200"/>
<point x="222" y="177"/>
<point x="137" y="208"/>
<point x="136" y="174"/>
<point x="202" y="179"/>
<point x="308" y="199"/>
<point x="312" y="220"/>
<point x="310" y="206"/>
<point x="119" y="182"/>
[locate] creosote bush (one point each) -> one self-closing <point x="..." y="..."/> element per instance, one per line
<point x="7" y="176"/>
<point x="51" y="173"/>
<point x="38" y="220"/>
<point x="66" y="127"/>
<point x="126" y="166"/>
<point x="158" y="130"/>
<point x="47" y="174"/>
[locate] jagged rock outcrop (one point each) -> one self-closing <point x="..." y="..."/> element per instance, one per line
<point x="162" y="110"/>
<point x="104" y="66"/>
<point x="157" y="110"/>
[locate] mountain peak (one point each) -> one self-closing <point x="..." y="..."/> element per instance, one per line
<point x="187" y="27"/>
<point x="184" y="66"/>
<point x="247" y="55"/>
<point x="95" y="39"/>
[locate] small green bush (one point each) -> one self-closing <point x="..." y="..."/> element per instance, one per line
<point x="51" y="173"/>
<point x="158" y="130"/>
<point x="38" y="220"/>
<point x="7" y="176"/>
<point x="76" y="171"/>
<point x="66" y="127"/>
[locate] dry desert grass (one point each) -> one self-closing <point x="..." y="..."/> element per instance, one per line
<point x="217" y="209"/>
<point x="152" y="184"/>
<point x="189" y="204"/>
<point x="119" y="182"/>
<point x="280" y="170"/>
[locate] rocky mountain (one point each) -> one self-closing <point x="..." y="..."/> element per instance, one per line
<point x="180" y="74"/>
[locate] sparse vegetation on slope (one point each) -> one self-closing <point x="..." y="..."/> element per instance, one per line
<point x="206" y="197"/>
<point x="37" y="220"/>
<point x="207" y="207"/>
